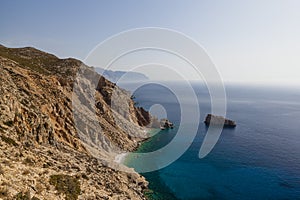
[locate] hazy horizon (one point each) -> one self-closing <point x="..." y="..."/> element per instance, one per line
<point x="253" y="42"/>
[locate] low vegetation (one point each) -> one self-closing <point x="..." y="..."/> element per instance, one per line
<point x="22" y="196"/>
<point x="9" y="123"/>
<point x="3" y="192"/>
<point x="28" y="161"/>
<point x="8" y="140"/>
<point x="67" y="185"/>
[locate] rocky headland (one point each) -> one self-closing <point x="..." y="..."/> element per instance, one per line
<point x="50" y="146"/>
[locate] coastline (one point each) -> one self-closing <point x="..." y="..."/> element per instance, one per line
<point x="156" y="189"/>
<point x="119" y="158"/>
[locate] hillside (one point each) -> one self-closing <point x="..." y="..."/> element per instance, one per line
<point x="47" y="151"/>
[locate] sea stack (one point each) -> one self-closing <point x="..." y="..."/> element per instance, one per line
<point x="166" y="124"/>
<point x="219" y="120"/>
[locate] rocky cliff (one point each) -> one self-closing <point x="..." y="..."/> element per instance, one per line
<point x="61" y="125"/>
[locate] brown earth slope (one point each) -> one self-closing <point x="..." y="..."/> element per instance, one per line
<point x="51" y="147"/>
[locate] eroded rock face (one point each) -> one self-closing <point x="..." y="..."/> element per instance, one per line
<point x="37" y="114"/>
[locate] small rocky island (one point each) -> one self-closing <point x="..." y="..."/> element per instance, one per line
<point x="166" y="124"/>
<point x="219" y="120"/>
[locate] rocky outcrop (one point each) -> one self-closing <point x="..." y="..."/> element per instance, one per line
<point x="166" y="124"/>
<point x="214" y="120"/>
<point x="42" y="135"/>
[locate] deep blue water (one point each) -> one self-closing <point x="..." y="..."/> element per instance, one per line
<point x="259" y="159"/>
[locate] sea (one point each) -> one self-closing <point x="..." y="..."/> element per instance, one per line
<point x="258" y="159"/>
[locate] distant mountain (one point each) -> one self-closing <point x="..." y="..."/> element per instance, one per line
<point x="114" y="76"/>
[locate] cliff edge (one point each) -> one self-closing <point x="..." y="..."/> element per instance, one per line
<point x="49" y="150"/>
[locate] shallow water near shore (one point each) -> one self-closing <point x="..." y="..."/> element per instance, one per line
<point x="259" y="159"/>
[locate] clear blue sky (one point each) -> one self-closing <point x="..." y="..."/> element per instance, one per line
<point x="249" y="41"/>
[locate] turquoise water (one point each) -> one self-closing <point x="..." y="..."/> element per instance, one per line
<point x="259" y="159"/>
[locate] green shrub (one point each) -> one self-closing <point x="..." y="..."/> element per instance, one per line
<point x="3" y="192"/>
<point x="9" y="123"/>
<point x="1" y="170"/>
<point x="85" y="176"/>
<point x="28" y="161"/>
<point x="22" y="196"/>
<point x="8" y="140"/>
<point x="2" y="129"/>
<point x="67" y="185"/>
